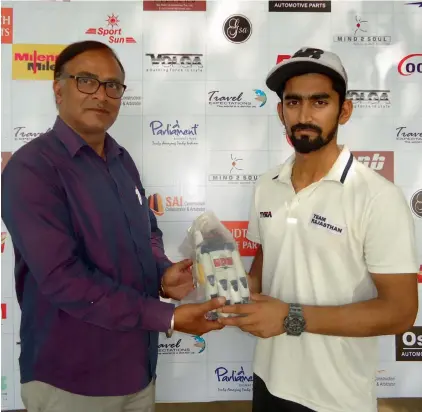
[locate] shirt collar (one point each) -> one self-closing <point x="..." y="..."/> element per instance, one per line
<point x="73" y="142"/>
<point x="337" y="173"/>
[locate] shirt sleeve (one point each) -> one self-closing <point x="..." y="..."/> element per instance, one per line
<point x="253" y="226"/>
<point x="35" y="211"/>
<point x="389" y="244"/>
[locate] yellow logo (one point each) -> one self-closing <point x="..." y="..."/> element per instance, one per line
<point x="34" y="61"/>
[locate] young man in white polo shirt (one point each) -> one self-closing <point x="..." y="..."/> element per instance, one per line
<point x="337" y="261"/>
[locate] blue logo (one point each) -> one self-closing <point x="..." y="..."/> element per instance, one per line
<point x="260" y="96"/>
<point x="223" y="375"/>
<point x="199" y="343"/>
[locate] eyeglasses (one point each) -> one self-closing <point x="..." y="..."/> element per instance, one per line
<point x="90" y="85"/>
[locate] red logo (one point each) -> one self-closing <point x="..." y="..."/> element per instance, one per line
<point x="381" y="162"/>
<point x="3" y="311"/>
<point x="3" y="240"/>
<point x="420" y="274"/>
<point x="409" y="64"/>
<point x="223" y="262"/>
<point x="6" y="25"/>
<point x="282" y="57"/>
<point x="238" y="230"/>
<point x="175" y="5"/>
<point x="112" y="31"/>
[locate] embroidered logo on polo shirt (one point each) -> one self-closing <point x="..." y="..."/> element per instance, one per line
<point x="265" y="214"/>
<point x="139" y="195"/>
<point x="321" y="222"/>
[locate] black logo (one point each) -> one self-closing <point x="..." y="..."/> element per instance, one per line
<point x="265" y="214"/>
<point x="237" y="28"/>
<point x="312" y="53"/>
<point x="307" y="6"/>
<point x="409" y="345"/>
<point x="175" y="62"/>
<point x="367" y="99"/>
<point x="416" y="203"/>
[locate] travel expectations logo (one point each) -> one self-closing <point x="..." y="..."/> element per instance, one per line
<point x="237" y="101"/>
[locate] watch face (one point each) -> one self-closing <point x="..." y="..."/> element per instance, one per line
<point x="295" y="325"/>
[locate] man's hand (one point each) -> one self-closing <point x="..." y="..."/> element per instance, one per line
<point x="263" y="318"/>
<point x="177" y="279"/>
<point x="190" y="318"/>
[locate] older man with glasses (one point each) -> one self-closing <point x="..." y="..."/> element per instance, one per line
<point x="90" y="262"/>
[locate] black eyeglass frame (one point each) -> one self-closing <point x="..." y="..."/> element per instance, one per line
<point x="100" y="83"/>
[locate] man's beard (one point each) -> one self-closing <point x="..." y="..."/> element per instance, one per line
<point x="304" y="143"/>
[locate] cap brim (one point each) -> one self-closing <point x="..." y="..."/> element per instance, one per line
<point x="286" y="70"/>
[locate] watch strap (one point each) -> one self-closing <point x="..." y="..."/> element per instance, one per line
<point x="169" y="333"/>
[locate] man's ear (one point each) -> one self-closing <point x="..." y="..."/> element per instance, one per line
<point x="280" y="112"/>
<point x="345" y="112"/>
<point x="58" y="90"/>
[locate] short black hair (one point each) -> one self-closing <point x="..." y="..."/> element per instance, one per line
<point x="75" y="49"/>
<point x="338" y="86"/>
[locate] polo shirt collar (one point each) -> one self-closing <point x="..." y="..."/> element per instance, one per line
<point x="337" y="173"/>
<point x="73" y="142"/>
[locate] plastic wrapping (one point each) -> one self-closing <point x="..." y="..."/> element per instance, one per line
<point x="217" y="267"/>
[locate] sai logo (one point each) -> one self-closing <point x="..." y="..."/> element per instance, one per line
<point x="34" y="61"/>
<point x="155" y="203"/>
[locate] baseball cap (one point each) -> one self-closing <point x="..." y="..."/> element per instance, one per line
<point x="306" y="60"/>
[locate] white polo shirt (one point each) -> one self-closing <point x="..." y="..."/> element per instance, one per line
<point x="319" y="246"/>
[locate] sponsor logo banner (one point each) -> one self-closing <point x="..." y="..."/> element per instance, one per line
<point x="381" y="162"/>
<point x="362" y="34"/>
<point x="34" y="61"/>
<point x="416" y="203"/>
<point x="403" y="134"/>
<point x="305" y="6"/>
<point x="181" y="344"/>
<point x="175" y="63"/>
<point x="175" y="5"/>
<point x="111" y="31"/>
<point x="237" y="28"/>
<point x="252" y="99"/>
<point x="409" y="345"/>
<point x="6" y="25"/>
<point x="370" y="99"/>
<point x="173" y="204"/>
<point x="410" y="64"/>
<point x="174" y="134"/>
<point x="239" y="230"/>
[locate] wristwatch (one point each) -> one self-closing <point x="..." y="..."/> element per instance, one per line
<point x="169" y="332"/>
<point x="294" y="322"/>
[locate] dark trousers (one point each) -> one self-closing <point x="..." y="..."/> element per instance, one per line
<point x="264" y="401"/>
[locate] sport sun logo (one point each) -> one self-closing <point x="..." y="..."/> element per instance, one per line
<point x="111" y="31"/>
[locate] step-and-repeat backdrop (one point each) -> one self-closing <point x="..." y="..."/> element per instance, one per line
<point x="202" y="126"/>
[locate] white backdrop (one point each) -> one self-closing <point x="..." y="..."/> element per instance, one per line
<point x="195" y="151"/>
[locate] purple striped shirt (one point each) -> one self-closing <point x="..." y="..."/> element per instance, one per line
<point x="89" y="260"/>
